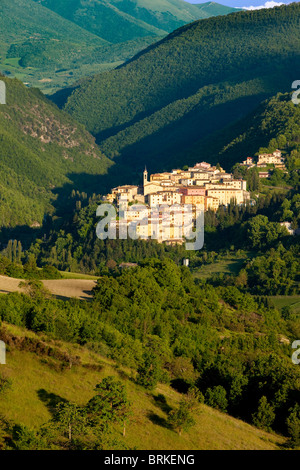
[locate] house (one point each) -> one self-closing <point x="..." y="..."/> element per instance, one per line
<point x="211" y="203"/>
<point x="264" y="174"/>
<point x="274" y="158"/>
<point x="192" y="191"/>
<point x="227" y="195"/>
<point x="248" y="161"/>
<point x="165" y="197"/>
<point x="127" y="190"/>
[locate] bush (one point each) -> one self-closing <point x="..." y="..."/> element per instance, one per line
<point x="216" y="398"/>
<point x="5" y="384"/>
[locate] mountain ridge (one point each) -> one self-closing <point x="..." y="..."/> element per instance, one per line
<point x="51" y="45"/>
<point x="41" y="150"/>
<point x="242" y="59"/>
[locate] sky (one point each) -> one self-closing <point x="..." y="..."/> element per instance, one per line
<point x="248" y="4"/>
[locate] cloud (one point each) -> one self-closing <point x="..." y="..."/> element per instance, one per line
<point x="270" y="4"/>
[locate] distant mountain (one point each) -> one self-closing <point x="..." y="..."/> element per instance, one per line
<point x="123" y="20"/>
<point x="36" y="42"/>
<point x="164" y="14"/>
<point x="42" y="151"/>
<point x="201" y="78"/>
<point x="215" y="9"/>
<point x="22" y="19"/>
<point x="51" y="44"/>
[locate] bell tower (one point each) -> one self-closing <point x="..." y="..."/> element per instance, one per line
<point x="145" y="176"/>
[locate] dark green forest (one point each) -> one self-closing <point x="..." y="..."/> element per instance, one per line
<point x="41" y="149"/>
<point x="118" y="21"/>
<point x="202" y="77"/>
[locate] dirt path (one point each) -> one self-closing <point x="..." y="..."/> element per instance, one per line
<point x="64" y="288"/>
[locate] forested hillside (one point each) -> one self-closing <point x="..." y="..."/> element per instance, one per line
<point x="36" y="42"/>
<point x="57" y="377"/>
<point x="203" y="77"/>
<point x="273" y="124"/>
<point x="42" y="149"/>
<point x="102" y="18"/>
<point x="219" y="346"/>
<point x="50" y="44"/>
<point x="122" y="20"/>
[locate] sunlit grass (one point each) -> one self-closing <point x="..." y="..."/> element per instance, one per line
<point x="33" y="378"/>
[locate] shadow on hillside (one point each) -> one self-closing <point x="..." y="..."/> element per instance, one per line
<point x="63" y="204"/>
<point x="161" y="402"/>
<point x="51" y="400"/>
<point x="158" y="420"/>
<point x="157" y="151"/>
<point x="87" y="297"/>
<point x="176" y="143"/>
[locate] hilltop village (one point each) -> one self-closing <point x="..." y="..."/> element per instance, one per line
<point x="202" y="185"/>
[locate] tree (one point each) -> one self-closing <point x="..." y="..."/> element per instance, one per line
<point x="264" y="417"/>
<point x="70" y="419"/>
<point x="35" y="290"/>
<point x="253" y="179"/>
<point x="293" y="425"/>
<point x="30" y="267"/>
<point x="216" y="398"/>
<point x="26" y="439"/>
<point x="109" y="405"/>
<point x="182" y="368"/>
<point x="194" y="397"/>
<point x="149" y="371"/>
<point x="181" y="418"/>
<point x="261" y="231"/>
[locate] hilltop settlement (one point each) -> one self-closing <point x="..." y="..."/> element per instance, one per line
<point x="202" y="185"/>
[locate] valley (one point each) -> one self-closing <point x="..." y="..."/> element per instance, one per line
<point x="123" y="344"/>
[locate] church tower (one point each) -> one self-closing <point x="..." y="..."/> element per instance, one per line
<point x="145" y="178"/>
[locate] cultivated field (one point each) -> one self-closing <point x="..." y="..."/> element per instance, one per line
<point x="63" y="288"/>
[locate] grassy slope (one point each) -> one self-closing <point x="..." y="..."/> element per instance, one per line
<point x="41" y="149"/>
<point x="292" y="301"/>
<point x="165" y="14"/>
<point x="35" y="377"/>
<point x="173" y="99"/>
<point x="79" y="287"/>
<point x="228" y="266"/>
<point x="21" y="20"/>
